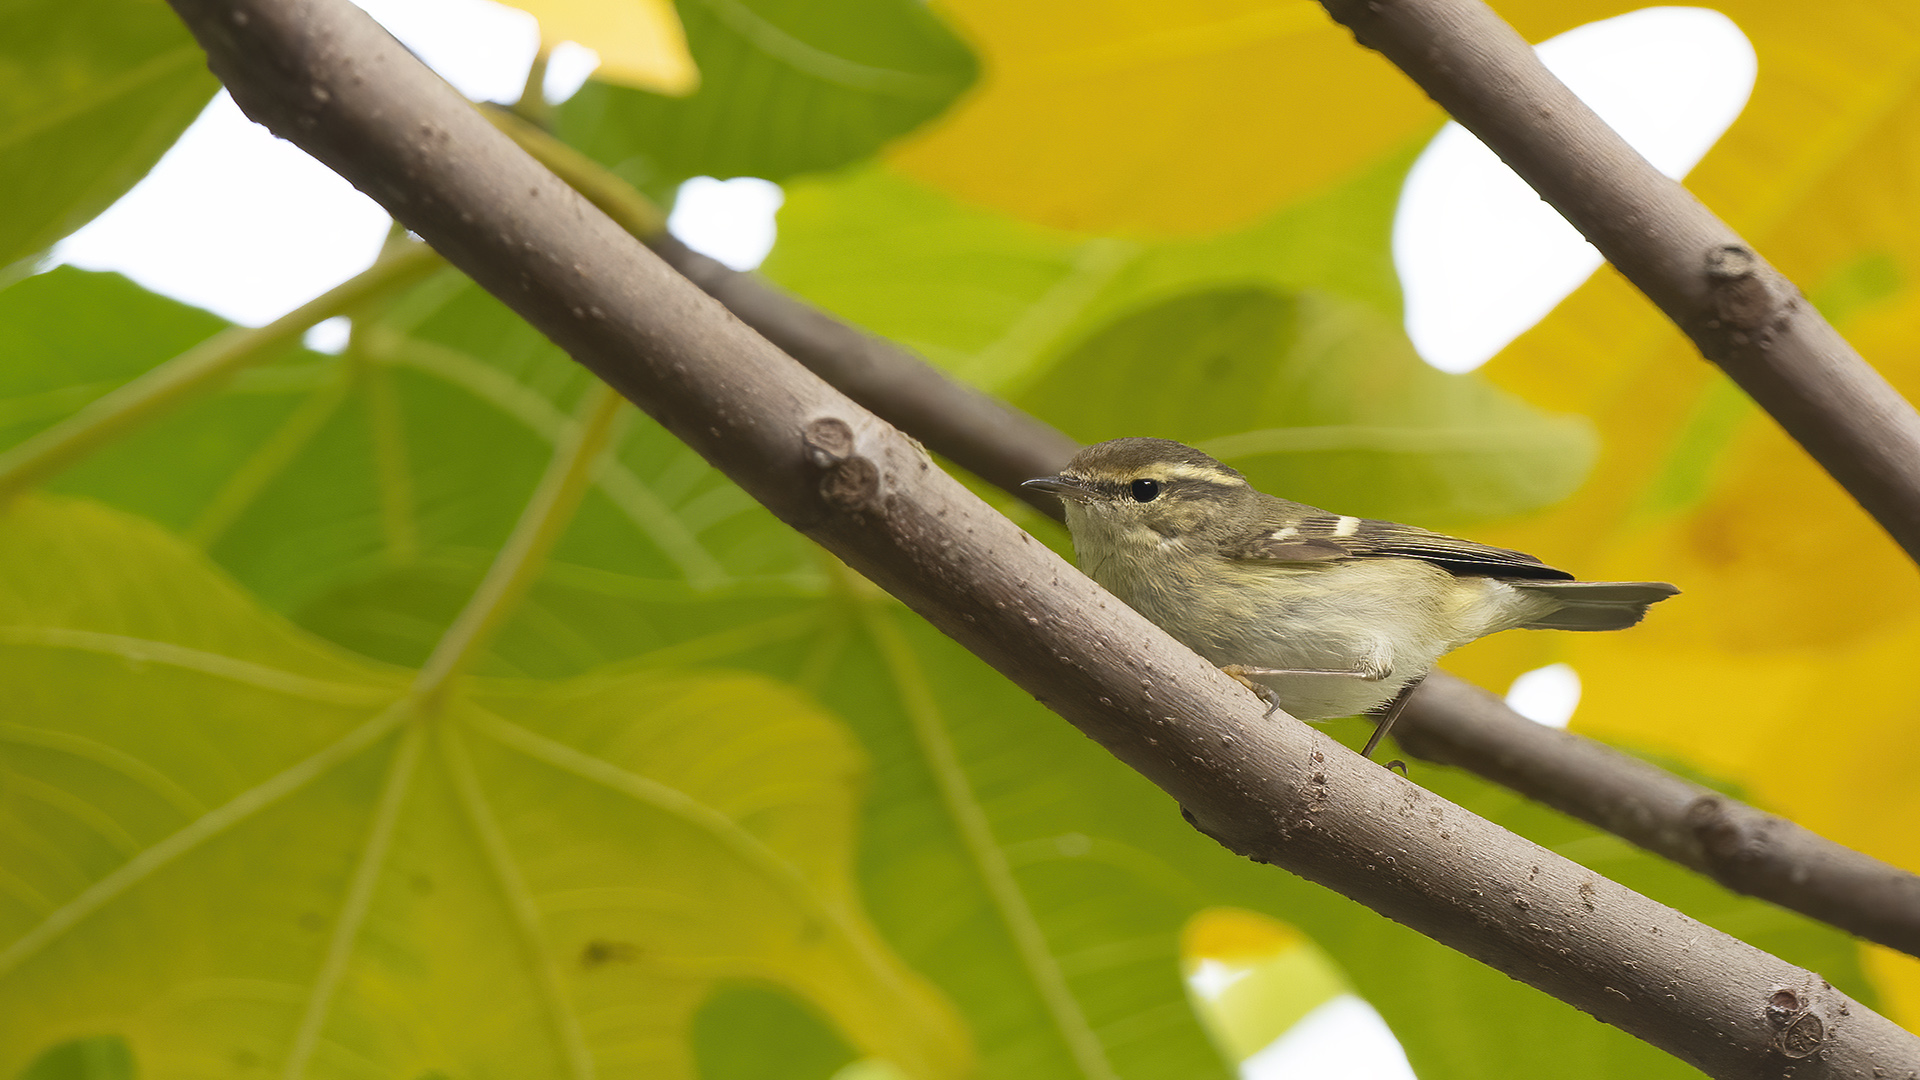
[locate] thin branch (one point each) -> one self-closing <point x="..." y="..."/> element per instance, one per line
<point x="1741" y="312"/>
<point x="1456" y="723"/>
<point x="199" y="370"/>
<point x="324" y="75"/>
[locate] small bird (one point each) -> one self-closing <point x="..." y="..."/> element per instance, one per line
<point x="1320" y="614"/>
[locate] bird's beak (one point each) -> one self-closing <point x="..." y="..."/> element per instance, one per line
<point x="1071" y="488"/>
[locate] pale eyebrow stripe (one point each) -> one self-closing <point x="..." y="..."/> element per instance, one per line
<point x="1204" y="473"/>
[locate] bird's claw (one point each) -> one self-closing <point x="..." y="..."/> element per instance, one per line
<point x="1265" y="693"/>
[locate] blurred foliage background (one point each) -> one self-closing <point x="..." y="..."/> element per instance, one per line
<point x="707" y="804"/>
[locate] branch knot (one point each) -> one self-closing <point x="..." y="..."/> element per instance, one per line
<point x="1747" y="300"/>
<point x="850" y="482"/>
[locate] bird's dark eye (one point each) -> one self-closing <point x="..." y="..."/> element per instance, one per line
<point x="1145" y="490"/>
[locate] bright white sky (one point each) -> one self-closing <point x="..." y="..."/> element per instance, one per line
<point x="246" y="226"/>
<point x="1481" y="257"/>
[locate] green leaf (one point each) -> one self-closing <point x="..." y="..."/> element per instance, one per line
<point x="786" y="87"/>
<point x="1318" y="398"/>
<point x="1044" y="886"/>
<point x="70" y="336"/>
<point x="786" y="1043"/>
<point x="1272" y="995"/>
<point x="102" y="1057"/>
<point x="314" y="473"/>
<point x="1279" y="348"/>
<point x="1111" y="873"/>
<point x="1053" y="923"/>
<point x="91" y="94"/>
<point x="226" y="841"/>
<point x="1057" y="975"/>
<point x="1039" y="884"/>
<point x="996" y="299"/>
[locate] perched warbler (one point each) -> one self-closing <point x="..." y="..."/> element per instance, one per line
<point x="1321" y="615"/>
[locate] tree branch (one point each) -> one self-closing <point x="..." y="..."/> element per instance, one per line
<point x="1448" y="720"/>
<point x="985" y="436"/>
<point x="1742" y="848"/>
<point x="1456" y="723"/>
<point x="1741" y="312"/>
<point x="322" y="74"/>
<point x="994" y="441"/>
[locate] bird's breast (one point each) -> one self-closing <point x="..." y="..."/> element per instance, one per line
<point x="1388" y="617"/>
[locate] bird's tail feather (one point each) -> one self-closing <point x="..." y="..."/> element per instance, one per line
<point x="1594" y="605"/>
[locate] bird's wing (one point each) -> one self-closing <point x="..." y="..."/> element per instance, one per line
<point x="1316" y="536"/>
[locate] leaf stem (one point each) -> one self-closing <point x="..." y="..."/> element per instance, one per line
<point x="917" y="700"/>
<point x="521" y="908"/>
<point x="547" y="515"/>
<point x="359" y="899"/>
<point x="392" y="469"/>
<point x="616" y="198"/>
<point x="252" y="477"/>
<point x="208" y="825"/>
<point x="532" y="106"/>
<point x="199" y="369"/>
<point x="932" y="1044"/>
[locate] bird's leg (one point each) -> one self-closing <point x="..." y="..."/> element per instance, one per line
<point x="1368" y="673"/>
<point x="1390" y="714"/>
<point x="1245" y="674"/>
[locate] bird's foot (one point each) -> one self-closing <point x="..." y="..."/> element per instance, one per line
<point x="1239" y="673"/>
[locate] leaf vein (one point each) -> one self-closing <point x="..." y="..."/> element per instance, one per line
<point x="106" y="757"/>
<point x="638" y="503"/>
<point x="520" y="904"/>
<point x="204" y="828"/>
<point x="917" y="699"/>
<point x="358" y="900"/>
<point x="147" y="651"/>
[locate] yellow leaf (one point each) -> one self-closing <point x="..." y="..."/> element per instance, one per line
<point x="1236" y="936"/>
<point x="1133" y="117"/>
<point x="226" y="841"/>
<point x="1123" y="115"/>
<point x="1277" y="976"/>
<point x="640" y="42"/>
<point x="1781" y="668"/>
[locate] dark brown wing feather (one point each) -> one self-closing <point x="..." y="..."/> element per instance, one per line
<point x="1316" y="536"/>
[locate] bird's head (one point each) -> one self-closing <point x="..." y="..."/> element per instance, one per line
<point x="1146" y="491"/>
